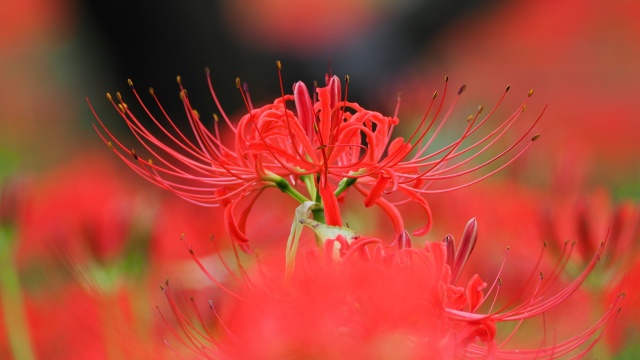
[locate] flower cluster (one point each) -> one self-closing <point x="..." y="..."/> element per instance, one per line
<point x="364" y="299"/>
<point x="352" y="295"/>
<point x="322" y="144"/>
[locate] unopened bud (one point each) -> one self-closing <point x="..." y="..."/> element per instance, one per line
<point x="404" y="240"/>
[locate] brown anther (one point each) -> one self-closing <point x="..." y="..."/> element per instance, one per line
<point x="346" y="79"/>
<point x="480" y="109"/>
<point x="109" y="97"/>
<point x="238" y="83"/>
<point x="508" y="248"/>
<point x="446" y="78"/>
<point x="109" y="144"/>
<point x="192" y="299"/>
<point x="151" y="91"/>
<point x="119" y="96"/>
<point x="150" y="161"/>
<point x="130" y="82"/>
<point x="196" y="113"/>
<point x="435" y="94"/>
<point x="530" y="93"/>
<point x="507" y="88"/>
<point x="524" y="107"/>
<point x="462" y="88"/>
<point x="499" y="282"/>
<point x="536" y="137"/>
<point x="215" y="118"/>
<point x="161" y="287"/>
<point x="541" y="276"/>
<point x="133" y="153"/>
<point x="179" y="79"/>
<point x="279" y="64"/>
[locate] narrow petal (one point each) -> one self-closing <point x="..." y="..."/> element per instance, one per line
<point x="330" y="202"/>
<point x="469" y="237"/>
<point x="376" y="190"/>
<point x="232" y="226"/>
<point x="304" y="108"/>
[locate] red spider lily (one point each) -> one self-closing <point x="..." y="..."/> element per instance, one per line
<point x="65" y="321"/>
<point x="85" y="215"/>
<point x="363" y="299"/>
<point x="71" y="248"/>
<point x="589" y="218"/>
<point x="322" y="143"/>
<point x="568" y="56"/>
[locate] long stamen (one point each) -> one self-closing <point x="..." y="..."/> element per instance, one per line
<point x="215" y="99"/>
<point x="244" y="96"/>
<point x="305" y="110"/>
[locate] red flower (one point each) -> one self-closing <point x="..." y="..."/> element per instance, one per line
<point x="321" y="143"/>
<point x="87" y="215"/>
<point x="362" y="299"/>
<point x="591" y="218"/>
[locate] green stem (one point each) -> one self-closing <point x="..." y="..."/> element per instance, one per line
<point x="310" y="184"/>
<point x="285" y="187"/>
<point x="318" y="215"/>
<point x="15" y="320"/>
<point x="344" y="185"/>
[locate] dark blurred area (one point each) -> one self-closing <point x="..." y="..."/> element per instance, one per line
<point x="151" y="42"/>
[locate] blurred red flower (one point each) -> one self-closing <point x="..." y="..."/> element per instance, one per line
<point x="581" y="54"/>
<point x="304" y="27"/>
<point x="363" y="299"/>
<point x="83" y="214"/>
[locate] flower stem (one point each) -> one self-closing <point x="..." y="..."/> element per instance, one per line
<point x="285" y="187"/>
<point x="11" y="299"/>
<point x="318" y="214"/>
<point x="310" y="184"/>
<point x="344" y="185"/>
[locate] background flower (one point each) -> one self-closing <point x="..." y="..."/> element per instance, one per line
<point x="580" y="57"/>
